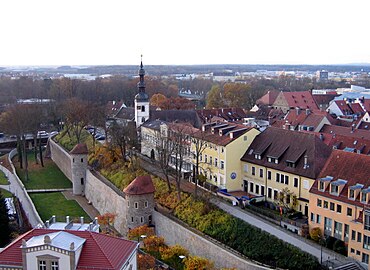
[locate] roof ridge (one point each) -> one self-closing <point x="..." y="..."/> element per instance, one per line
<point x="98" y="245"/>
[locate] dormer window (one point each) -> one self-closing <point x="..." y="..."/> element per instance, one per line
<point x="352" y="194"/>
<point x="321" y="186"/>
<point x="334" y="189"/>
<point x="363" y="197"/>
<point x="290" y="164"/>
<point x="256" y="156"/>
<point x="353" y="191"/>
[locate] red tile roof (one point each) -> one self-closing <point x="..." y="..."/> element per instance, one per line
<point x="357" y="109"/>
<point x="303" y="100"/>
<point x="353" y="168"/>
<point x="343" y="107"/>
<point x="341" y="142"/>
<point x="346" y="131"/>
<point x="324" y="99"/>
<point x="99" y="251"/>
<point x="79" y="149"/>
<point x="287" y="145"/>
<point x="229" y="114"/>
<point x="141" y="185"/>
<point x="268" y="99"/>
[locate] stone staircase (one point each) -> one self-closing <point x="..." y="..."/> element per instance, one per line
<point x="349" y="266"/>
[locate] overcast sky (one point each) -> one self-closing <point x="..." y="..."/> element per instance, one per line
<point x="82" y="32"/>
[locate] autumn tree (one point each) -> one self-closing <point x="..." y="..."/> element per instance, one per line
<point x="199" y="144"/>
<point x="137" y="232"/>
<point x="215" y="98"/>
<point x="76" y="116"/>
<point x="107" y="222"/>
<point x="158" y="100"/>
<point x="197" y="263"/>
<point x="236" y="94"/>
<point x="145" y="261"/>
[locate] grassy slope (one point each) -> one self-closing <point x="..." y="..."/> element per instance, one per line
<point x="55" y="203"/>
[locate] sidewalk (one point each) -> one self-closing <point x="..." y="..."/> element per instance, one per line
<point x="82" y="201"/>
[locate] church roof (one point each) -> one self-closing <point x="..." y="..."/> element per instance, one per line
<point x="140" y="186"/>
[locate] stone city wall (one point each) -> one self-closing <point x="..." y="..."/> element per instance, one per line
<point x="175" y="233"/>
<point x="61" y="157"/>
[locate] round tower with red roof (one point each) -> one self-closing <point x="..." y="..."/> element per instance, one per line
<point x="140" y="201"/>
<point x="79" y="167"/>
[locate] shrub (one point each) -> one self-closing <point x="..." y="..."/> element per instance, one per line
<point x="316" y="234"/>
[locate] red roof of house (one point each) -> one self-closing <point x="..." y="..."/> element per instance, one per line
<point x="268" y="99"/>
<point x="324" y="99"/>
<point x="352" y="167"/>
<point x="357" y="109"/>
<point x="228" y="114"/>
<point x="366" y="104"/>
<point x="343" y="107"/>
<point x="346" y="131"/>
<point x="341" y="142"/>
<point x="141" y="185"/>
<point x="312" y="118"/>
<point x="79" y="149"/>
<point x="99" y="251"/>
<point x="303" y="100"/>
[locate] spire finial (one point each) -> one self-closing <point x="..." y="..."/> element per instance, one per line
<point x="141" y="64"/>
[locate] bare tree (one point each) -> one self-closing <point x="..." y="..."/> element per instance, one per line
<point x="76" y="114"/>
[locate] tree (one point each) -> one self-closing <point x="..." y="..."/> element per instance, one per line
<point x="316" y="234"/>
<point x="215" y="98"/>
<point x="236" y="94"/>
<point x="4" y="222"/>
<point x="197" y="263"/>
<point x="76" y="116"/>
<point x="137" y="232"/>
<point x="107" y="221"/>
<point x="199" y="144"/>
<point x="145" y="261"/>
<point x="158" y="100"/>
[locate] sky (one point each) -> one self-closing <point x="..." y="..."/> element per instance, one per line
<point x="177" y="32"/>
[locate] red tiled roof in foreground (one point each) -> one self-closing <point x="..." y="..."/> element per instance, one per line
<point x="79" y="149"/>
<point x="141" y="185"/>
<point x="99" y="252"/>
<point x="352" y="167"/>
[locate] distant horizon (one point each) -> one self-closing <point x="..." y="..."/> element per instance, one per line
<point x="173" y="33"/>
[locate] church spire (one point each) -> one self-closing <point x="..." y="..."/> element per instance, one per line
<point x="141" y="83"/>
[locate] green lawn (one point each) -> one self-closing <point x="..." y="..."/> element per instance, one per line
<point x="3" y="180"/>
<point x="54" y="203"/>
<point x="46" y="177"/>
<point x="6" y="194"/>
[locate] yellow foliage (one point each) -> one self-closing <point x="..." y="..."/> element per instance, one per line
<point x="153" y="243"/>
<point x="137" y="232"/>
<point x="198" y="263"/>
<point x="170" y="252"/>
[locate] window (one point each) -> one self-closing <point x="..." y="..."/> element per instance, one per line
<point x="319" y="202"/>
<point x="42" y="265"/>
<point x="136" y="205"/>
<point x="141" y="219"/>
<point x="257" y="189"/>
<point x="326" y="204"/>
<point x="82" y="160"/>
<point x="261" y="173"/>
<point x="132" y="219"/>
<point x="358" y="253"/>
<point x="282" y="179"/>
<point x="253" y="170"/>
<point x="365" y="258"/>
<point x="146" y="204"/>
<point x="262" y="190"/>
<point x="363" y="197"/>
<point x="54" y="265"/>
<point x="245" y="138"/>
<point x="269" y="175"/>
<point x="143" y="108"/>
<point x="245" y="167"/>
<point x="321" y="186"/>
<point x="215" y="178"/>
<point x="352" y="250"/>
<point x="366" y="242"/>
<point x="210" y="160"/>
<point x="312" y="217"/>
<point x="82" y="181"/>
<point x="353" y="235"/>
<point x="349" y="211"/>
<point x="205" y="159"/>
<point x="338" y="230"/>
<point x="286" y="179"/>
<point x="295" y="182"/>
<point x="142" y="119"/>
<point x="278" y="177"/>
<point x="359" y="236"/>
<point x="327" y="226"/>
<point x="251" y="187"/>
<point x="351" y="194"/>
<point x="222" y="164"/>
<point x="269" y="193"/>
<point x="339" y="208"/>
<point x="332" y="205"/>
<point x="216" y="162"/>
<point x="367" y="220"/>
<point x="318" y="219"/>
<point x="334" y="189"/>
<point x="275" y="194"/>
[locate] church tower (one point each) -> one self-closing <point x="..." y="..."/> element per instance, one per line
<point x="141" y="99"/>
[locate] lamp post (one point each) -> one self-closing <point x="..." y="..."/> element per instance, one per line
<point x="142" y="237"/>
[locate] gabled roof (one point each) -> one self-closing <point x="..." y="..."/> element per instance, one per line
<point x="348" y="143"/>
<point x="343" y="107"/>
<point x="303" y="100"/>
<point x="346" y="131"/>
<point x="353" y="168"/>
<point x="79" y="149"/>
<point x="126" y="113"/>
<point x="357" y="109"/>
<point x="140" y="186"/>
<point x="189" y="116"/>
<point x="269" y="98"/>
<point x="228" y="114"/>
<point x="99" y="251"/>
<point x="289" y="146"/>
<point x="324" y="99"/>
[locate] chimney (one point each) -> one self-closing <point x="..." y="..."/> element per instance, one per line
<point x="47" y="224"/>
<point x="53" y="219"/>
<point x="82" y="220"/>
<point x="297" y="110"/>
<point x="67" y="219"/>
<point x="305" y="165"/>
